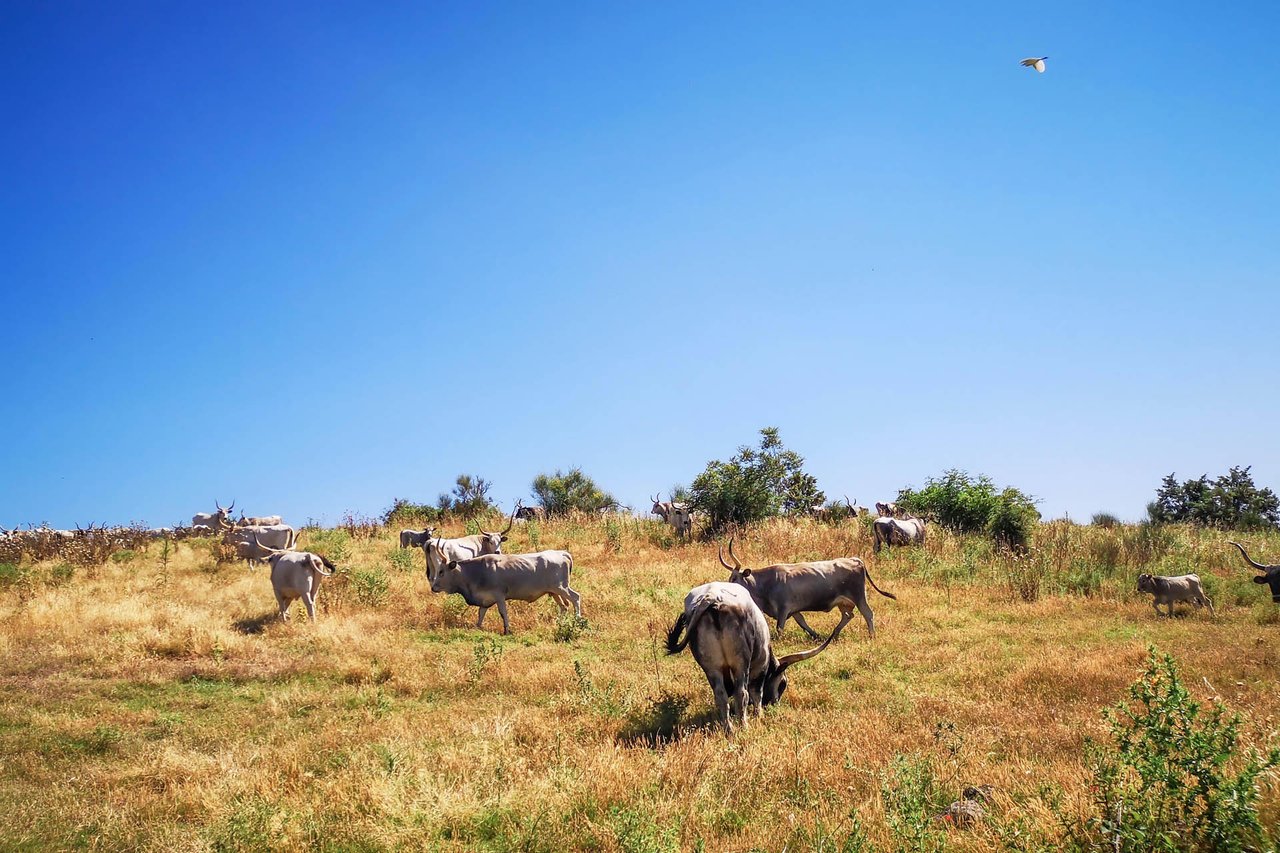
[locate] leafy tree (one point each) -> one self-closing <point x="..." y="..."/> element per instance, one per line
<point x="564" y="492"/>
<point x="967" y="504"/>
<point x="470" y="497"/>
<point x="1231" y="502"/>
<point x="757" y="483"/>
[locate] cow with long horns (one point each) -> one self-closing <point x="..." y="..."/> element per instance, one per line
<point x="730" y="641"/>
<point x="214" y="521"/>
<point x="439" y="551"/>
<point x="1270" y="574"/>
<point x="789" y="590"/>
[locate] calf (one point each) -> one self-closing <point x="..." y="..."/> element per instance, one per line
<point x="1171" y="589"/>
<point x="415" y="538"/>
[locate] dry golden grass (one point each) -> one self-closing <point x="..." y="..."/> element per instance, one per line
<point x="165" y="709"/>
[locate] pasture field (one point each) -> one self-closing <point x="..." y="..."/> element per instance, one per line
<point x="155" y="703"/>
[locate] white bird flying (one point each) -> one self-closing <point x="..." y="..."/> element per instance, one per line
<point x="1033" y="62"/>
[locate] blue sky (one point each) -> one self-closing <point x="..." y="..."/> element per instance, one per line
<point x="315" y="257"/>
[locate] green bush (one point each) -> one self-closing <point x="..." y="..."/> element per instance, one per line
<point x="1175" y="777"/>
<point x="569" y="626"/>
<point x="1104" y="519"/>
<point x="370" y="586"/>
<point x="564" y="492"/>
<point x="756" y="484"/>
<point x="965" y="504"/>
<point x="402" y="559"/>
<point x="403" y="513"/>
<point x="10" y="574"/>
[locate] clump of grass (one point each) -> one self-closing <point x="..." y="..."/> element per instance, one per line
<point x="483" y="653"/>
<point x="569" y="627"/>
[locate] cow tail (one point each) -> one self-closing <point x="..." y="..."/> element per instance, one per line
<point x="867" y="572"/>
<point x="686" y="622"/>
<point x="293" y="539"/>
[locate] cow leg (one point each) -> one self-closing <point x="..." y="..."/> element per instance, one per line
<point x="575" y="598"/>
<point x="741" y="696"/>
<point x="502" y="611"/>
<point x="722" y="701"/>
<point x="1209" y="603"/>
<point x="865" y="609"/>
<point x="799" y="617"/>
<point x="310" y="604"/>
<point x="283" y="604"/>
<point x="1155" y="602"/>
<point x="480" y="618"/>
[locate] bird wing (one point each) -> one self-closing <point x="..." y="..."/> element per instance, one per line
<point x="1030" y="62"/>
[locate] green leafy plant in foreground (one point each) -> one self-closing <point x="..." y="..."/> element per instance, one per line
<point x="1176" y="778"/>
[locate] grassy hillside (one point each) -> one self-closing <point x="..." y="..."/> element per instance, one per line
<point x="154" y="702"/>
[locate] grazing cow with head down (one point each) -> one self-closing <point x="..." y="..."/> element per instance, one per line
<point x="730" y="641"/>
<point x="294" y="575"/>
<point x="1270" y="574"/>
<point x="495" y="579"/>
<point x="1167" y="590"/>
<point x="788" y="590"/>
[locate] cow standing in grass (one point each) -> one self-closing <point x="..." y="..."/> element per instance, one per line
<point x="1270" y="574"/>
<point x="730" y="641"/>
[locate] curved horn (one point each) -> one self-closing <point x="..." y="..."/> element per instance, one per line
<point x="850" y="503"/>
<point x="1257" y="566"/>
<point x="720" y="554"/>
<point x="233" y="505"/>
<point x="737" y="566"/>
<point x="218" y="505"/>
<point x="512" y="520"/>
<point x="273" y="551"/>
<point x="655" y="498"/>
<point x="785" y="662"/>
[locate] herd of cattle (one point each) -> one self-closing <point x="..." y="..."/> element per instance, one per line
<point x="723" y="622"/>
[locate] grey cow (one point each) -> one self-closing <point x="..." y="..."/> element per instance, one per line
<point x="495" y="579"/>
<point x="280" y="537"/>
<point x="439" y="551"/>
<point x="676" y="514"/>
<point x="788" y="590"/>
<point x="294" y="575"/>
<point x="889" y="531"/>
<point x="215" y="521"/>
<point x="1167" y="590"/>
<point x="415" y="538"/>
<point x="730" y="641"/>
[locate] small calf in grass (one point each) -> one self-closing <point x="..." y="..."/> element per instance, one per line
<point x="1167" y="590"/>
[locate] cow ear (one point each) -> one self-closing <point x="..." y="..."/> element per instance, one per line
<point x="746" y="573"/>
<point x="1260" y="579"/>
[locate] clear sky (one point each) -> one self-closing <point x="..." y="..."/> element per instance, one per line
<point x="314" y="257"/>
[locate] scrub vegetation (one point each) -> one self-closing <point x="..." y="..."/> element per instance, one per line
<point x="155" y="702"/>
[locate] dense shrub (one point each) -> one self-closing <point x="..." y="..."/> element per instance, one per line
<point x="1231" y="502"/>
<point x="1104" y="519"/>
<point x="404" y="513"/>
<point x="566" y="491"/>
<point x="965" y="504"/>
<point x="755" y="484"/>
<point x="1175" y="778"/>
